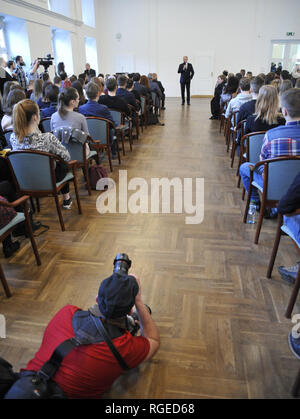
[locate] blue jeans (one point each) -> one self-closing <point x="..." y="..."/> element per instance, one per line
<point x="257" y="177"/>
<point x="293" y="223"/>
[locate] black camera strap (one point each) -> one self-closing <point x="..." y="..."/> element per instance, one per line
<point x="51" y="366"/>
<point x="109" y="342"/>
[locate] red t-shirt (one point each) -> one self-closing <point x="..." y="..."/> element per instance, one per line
<point x="89" y="370"/>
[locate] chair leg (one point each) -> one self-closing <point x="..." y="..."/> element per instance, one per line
<point x="37" y="200"/>
<point x="296" y="386"/>
<point x="30" y="232"/>
<point x="247" y="204"/>
<point x="243" y="194"/>
<point x="109" y="158"/>
<point x="4" y="283"/>
<point x="233" y="152"/>
<point x="61" y="220"/>
<point x="259" y="224"/>
<point x="77" y="192"/>
<point x="274" y="251"/>
<point x="293" y="296"/>
<point x="239" y="182"/>
<point x="88" y="184"/>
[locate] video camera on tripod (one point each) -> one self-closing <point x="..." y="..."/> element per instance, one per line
<point x="46" y="62"/>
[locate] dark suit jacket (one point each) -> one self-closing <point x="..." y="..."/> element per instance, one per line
<point x="115" y="102"/>
<point x="290" y="202"/>
<point x="127" y="96"/>
<point x="91" y="73"/>
<point x="159" y="85"/>
<point x="186" y="75"/>
<point x="140" y="88"/>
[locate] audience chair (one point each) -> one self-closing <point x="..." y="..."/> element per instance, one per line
<point x="222" y="116"/>
<point x="78" y="152"/>
<point x="230" y="132"/>
<point x="34" y="175"/>
<point x="240" y="128"/>
<point x="144" y="111"/>
<point x="99" y="129"/>
<point x="283" y="229"/>
<point x="279" y="173"/>
<point x="250" y="150"/>
<point x="135" y="118"/>
<point x="45" y="125"/>
<point x="125" y="124"/>
<point x="5" y="231"/>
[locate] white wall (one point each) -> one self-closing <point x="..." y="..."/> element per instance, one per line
<point x="156" y="34"/>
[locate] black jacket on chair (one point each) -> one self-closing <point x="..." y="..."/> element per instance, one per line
<point x="186" y="75"/>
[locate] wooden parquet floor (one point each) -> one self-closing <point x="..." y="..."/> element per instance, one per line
<point x="222" y="325"/>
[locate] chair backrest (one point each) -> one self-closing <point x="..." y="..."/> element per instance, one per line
<point x="281" y="174"/>
<point x="98" y="129"/>
<point x="117" y="116"/>
<point x="143" y="103"/>
<point x="76" y="150"/>
<point x="32" y="170"/>
<point x="255" y="142"/>
<point x="45" y="123"/>
<point x="7" y="135"/>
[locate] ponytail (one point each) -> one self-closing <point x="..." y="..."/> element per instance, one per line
<point x="22" y="114"/>
<point x="64" y="100"/>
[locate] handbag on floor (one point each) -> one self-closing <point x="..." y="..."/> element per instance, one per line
<point x="96" y="173"/>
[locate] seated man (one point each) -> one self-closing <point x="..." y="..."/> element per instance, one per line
<point x="94" y="108"/>
<point x="130" y="88"/>
<point x="155" y="89"/>
<point x="123" y="92"/>
<point x="89" y="370"/>
<point x="248" y="108"/>
<point x="138" y="86"/>
<point x="154" y="79"/>
<point x="51" y="93"/>
<point x="111" y="100"/>
<point x="243" y="97"/>
<point x="278" y="142"/>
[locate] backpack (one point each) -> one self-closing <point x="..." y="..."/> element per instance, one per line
<point x="39" y="384"/>
<point x="96" y="173"/>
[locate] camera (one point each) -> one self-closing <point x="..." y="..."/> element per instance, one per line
<point x="122" y="264"/>
<point x="46" y="62"/>
<point x="132" y="326"/>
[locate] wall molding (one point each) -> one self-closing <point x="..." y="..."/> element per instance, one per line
<point x="49" y="13"/>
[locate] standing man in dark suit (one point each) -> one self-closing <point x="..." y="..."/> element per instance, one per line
<point x="187" y="73"/>
<point x="89" y="71"/>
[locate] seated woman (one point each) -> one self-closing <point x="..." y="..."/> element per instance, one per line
<point x="267" y="114"/>
<point x="78" y="86"/>
<point x="68" y="100"/>
<point x="14" y="96"/>
<point x="43" y="102"/>
<point x="51" y="93"/>
<point x="229" y="90"/>
<point x="215" y="102"/>
<point x="37" y="90"/>
<point x="27" y="136"/>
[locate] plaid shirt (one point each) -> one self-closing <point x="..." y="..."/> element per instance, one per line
<point x="282" y="141"/>
<point x="21" y="77"/>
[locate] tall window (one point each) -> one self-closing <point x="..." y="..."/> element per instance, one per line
<point x="88" y="12"/>
<point x="60" y="6"/>
<point x="91" y="52"/>
<point x="3" y="49"/>
<point x="62" y="48"/>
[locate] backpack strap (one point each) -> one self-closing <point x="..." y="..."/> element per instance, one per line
<point x="51" y="366"/>
<point x="103" y="332"/>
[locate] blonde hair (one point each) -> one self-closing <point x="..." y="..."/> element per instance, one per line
<point x="22" y="114"/>
<point x="267" y="105"/>
<point x="276" y="83"/>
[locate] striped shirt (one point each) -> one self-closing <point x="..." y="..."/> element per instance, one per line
<point x="282" y="141"/>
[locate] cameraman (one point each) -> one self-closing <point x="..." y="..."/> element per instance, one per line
<point x="89" y="370"/>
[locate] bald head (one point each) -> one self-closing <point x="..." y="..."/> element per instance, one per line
<point x="185" y="59"/>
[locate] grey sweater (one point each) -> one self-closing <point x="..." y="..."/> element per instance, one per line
<point x="71" y="120"/>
